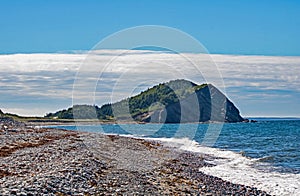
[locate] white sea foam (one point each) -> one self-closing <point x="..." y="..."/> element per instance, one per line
<point x="238" y="169"/>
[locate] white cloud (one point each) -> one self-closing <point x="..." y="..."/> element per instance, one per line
<point x="40" y="62"/>
<point x="52" y="75"/>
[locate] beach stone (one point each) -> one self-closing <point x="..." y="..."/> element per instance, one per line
<point x="14" y="191"/>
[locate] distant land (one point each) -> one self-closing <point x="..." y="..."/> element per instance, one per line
<point x="270" y="118"/>
<point x="177" y="101"/>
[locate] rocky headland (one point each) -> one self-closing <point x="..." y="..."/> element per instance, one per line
<point x="176" y="101"/>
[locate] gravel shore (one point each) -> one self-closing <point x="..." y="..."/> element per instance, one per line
<point x="40" y="161"/>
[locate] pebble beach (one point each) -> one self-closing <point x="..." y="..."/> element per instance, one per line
<point x="45" y="161"/>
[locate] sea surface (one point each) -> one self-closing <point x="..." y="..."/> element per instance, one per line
<point x="275" y="142"/>
<point x="264" y="154"/>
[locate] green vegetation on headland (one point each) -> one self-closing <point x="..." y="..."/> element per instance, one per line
<point x="177" y="101"/>
<point x="172" y="102"/>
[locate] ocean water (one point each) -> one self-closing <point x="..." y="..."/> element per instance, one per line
<point x="275" y="142"/>
<point x="265" y="154"/>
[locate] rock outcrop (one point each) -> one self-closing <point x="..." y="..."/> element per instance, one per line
<point x="204" y="105"/>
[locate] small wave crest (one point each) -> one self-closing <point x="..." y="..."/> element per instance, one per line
<point x="265" y="158"/>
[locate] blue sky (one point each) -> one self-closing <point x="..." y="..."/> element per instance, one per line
<point x="259" y="42"/>
<point x="225" y="27"/>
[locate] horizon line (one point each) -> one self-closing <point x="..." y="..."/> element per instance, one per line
<point x="166" y="51"/>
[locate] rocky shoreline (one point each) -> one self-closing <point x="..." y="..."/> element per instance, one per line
<point x="40" y="161"/>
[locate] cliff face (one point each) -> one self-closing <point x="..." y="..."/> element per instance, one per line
<point x="204" y="105"/>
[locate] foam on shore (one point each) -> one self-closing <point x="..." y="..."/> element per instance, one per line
<point x="234" y="167"/>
